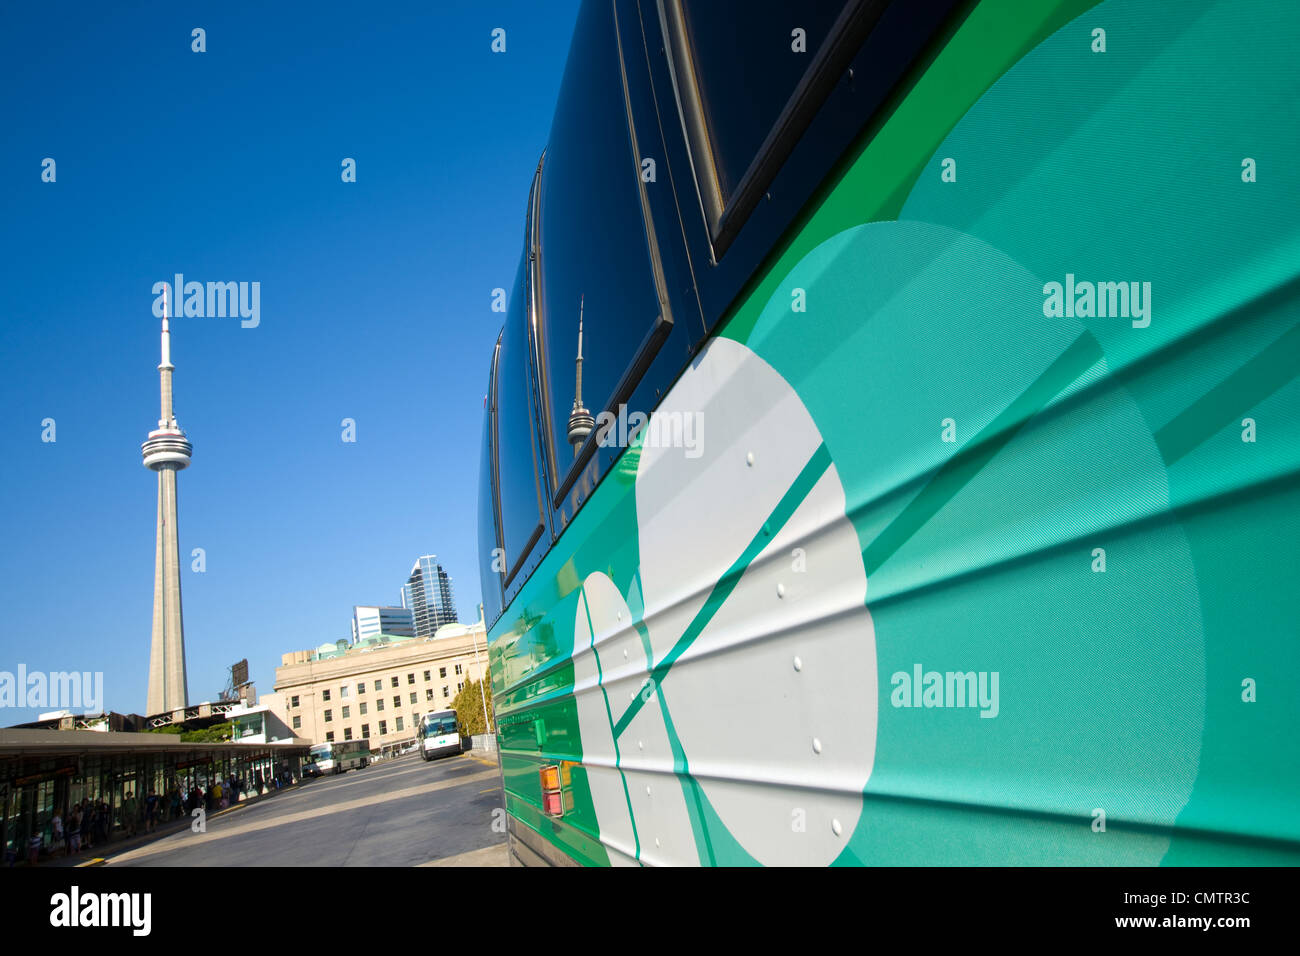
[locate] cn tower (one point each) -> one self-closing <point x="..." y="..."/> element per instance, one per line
<point x="580" y="421"/>
<point x="167" y="451"/>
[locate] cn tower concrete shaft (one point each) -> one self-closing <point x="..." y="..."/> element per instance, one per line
<point x="167" y="688"/>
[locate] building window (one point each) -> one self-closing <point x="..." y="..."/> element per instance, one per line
<point x="396" y="682"/>
<point x="343" y="691"/>
<point x="460" y="687"/>
<point x="297" y="723"/>
<point x="442" y="672"/>
<point x="329" y="715"/>
<point x="458" y="670"/>
<point x="444" y="691"/>
<point x="379" y="685"/>
<point x="383" y="727"/>
<point x="379" y="703"/>
<point x="399" y="725"/>
<point x="426" y="675"/>
<point x="293" y="701"/>
<point x="365" y="730"/>
<point x="397" y="701"/>
<point x="410" y="678"/>
<point x="414" y="699"/>
<point x="428" y="693"/>
<point x="363" y="708"/>
<point x="347" y="733"/>
<point x="361" y="688"/>
<point x="325" y="694"/>
<point x="329" y="737"/>
<point x="347" y="711"/>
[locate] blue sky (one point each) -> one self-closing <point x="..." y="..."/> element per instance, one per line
<point x="375" y="305"/>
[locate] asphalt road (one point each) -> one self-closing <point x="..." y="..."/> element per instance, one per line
<point x="402" y="812"/>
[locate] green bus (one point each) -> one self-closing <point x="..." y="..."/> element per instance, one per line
<point x="337" y="757"/>
<point x="890" y="452"/>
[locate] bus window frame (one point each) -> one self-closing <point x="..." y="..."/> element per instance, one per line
<point x="826" y="121"/>
<point x="491" y="477"/>
<point x="669" y="272"/>
<point x="725" y="215"/>
<point x="530" y="554"/>
<point x="539" y="541"/>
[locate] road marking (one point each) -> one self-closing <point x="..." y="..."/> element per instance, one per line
<point x="489" y="789"/>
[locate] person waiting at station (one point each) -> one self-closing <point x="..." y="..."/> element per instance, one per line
<point x="129" y="813"/>
<point x="87" y="826"/>
<point x="72" y="831"/>
<point x="56" y="832"/>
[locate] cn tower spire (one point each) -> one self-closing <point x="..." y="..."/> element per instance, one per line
<point x="167" y="451"/>
<point x="165" y="369"/>
<point x="580" y="421"/>
<point x="577" y="395"/>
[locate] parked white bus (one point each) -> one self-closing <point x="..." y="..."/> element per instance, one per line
<point x="337" y="757"/>
<point x="438" y="734"/>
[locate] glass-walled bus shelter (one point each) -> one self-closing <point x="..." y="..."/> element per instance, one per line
<point x="42" y="771"/>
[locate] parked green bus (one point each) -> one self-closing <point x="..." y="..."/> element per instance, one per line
<point x="337" y="757"/>
<point x="890" y="452"/>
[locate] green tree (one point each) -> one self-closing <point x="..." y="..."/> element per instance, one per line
<point x="214" y="734"/>
<point x="468" y="706"/>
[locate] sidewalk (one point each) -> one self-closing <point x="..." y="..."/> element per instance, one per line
<point x="101" y="851"/>
<point x="485" y="757"/>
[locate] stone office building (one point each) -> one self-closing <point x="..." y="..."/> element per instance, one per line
<point x="378" y="688"/>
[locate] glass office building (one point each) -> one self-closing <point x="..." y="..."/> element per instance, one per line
<point x="427" y="594"/>
<point x="370" y="620"/>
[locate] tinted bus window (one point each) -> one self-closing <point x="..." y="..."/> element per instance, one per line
<point x="747" y="63"/>
<point x="593" y="246"/>
<point x="518" y="480"/>
<point x="489" y="578"/>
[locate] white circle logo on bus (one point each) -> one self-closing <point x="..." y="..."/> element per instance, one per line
<point x="763" y="651"/>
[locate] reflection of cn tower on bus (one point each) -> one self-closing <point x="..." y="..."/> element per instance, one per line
<point x="167" y="451"/>
<point x="580" y="421"/>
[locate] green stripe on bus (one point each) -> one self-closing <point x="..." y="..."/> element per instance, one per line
<point x="1238" y="393"/>
<point x="811" y="474"/>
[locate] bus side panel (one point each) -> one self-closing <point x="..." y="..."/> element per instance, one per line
<point x="983" y="554"/>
